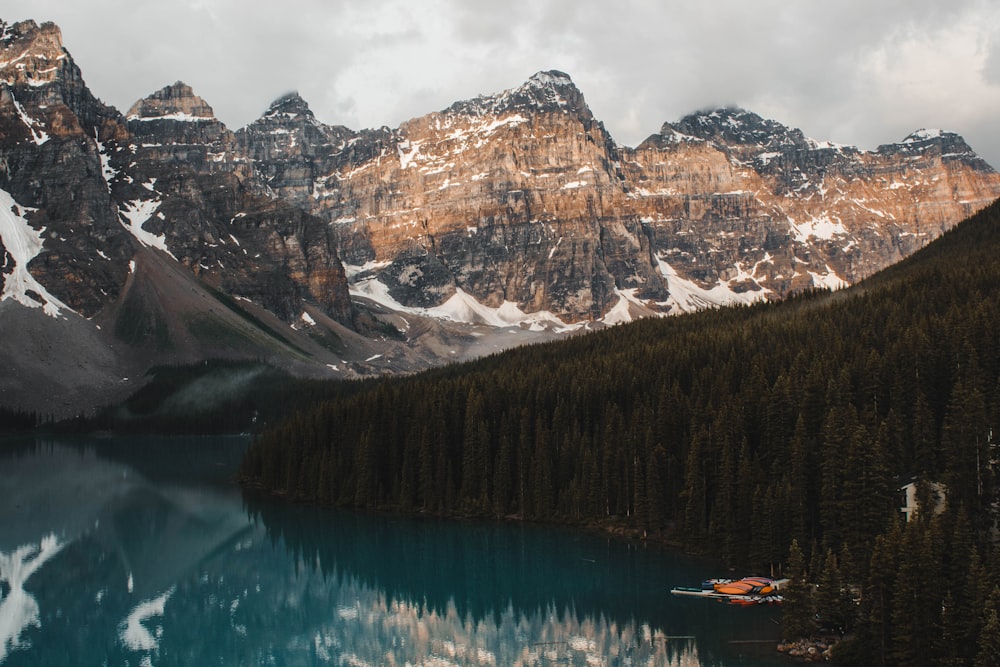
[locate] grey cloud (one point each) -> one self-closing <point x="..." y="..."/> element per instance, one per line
<point x="991" y="68"/>
<point x="638" y="62"/>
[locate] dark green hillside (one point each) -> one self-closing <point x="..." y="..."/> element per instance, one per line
<point x="734" y="431"/>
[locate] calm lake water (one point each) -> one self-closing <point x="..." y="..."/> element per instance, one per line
<point x="139" y="551"/>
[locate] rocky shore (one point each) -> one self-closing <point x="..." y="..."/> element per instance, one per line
<point x="809" y="650"/>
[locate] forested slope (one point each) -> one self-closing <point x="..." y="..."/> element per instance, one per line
<point x="738" y="431"/>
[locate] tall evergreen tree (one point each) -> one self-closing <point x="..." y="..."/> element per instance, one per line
<point x="696" y="486"/>
<point x="833" y="599"/>
<point x="964" y="437"/>
<point x="988" y="654"/>
<point x="798" y="615"/>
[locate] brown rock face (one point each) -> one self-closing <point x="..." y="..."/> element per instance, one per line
<point x="177" y="101"/>
<point x="54" y="101"/>
<point x="504" y="199"/>
<point x="822" y="213"/>
<point x="523" y="197"/>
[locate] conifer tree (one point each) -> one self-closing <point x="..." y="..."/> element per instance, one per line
<point x="798" y="615"/>
<point x="724" y="520"/>
<point x="800" y="478"/>
<point x="988" y="654"/>
<point x="948" y="648"/>
<point x="877" y="601"/>
<point x="973" y="597"/>
<point x="838" y="429"/>
<point x="963" y="443"/>
<point x="425" y="475"/>
<point x="695" y="486"/>
<point x="475" y="452"/>
<point x="925" y="451"/>
<point x="364" y="465"/>
<point x="655" y="490"/>
<point x="833" y="600"/>
<point x="502" y="477"/>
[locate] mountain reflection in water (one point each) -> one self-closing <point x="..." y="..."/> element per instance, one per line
<point x="143" y="552"/>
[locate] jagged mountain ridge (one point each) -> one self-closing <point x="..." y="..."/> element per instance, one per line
<point x="167" y="176"/>
<point x="721" y="206"/>
<point x="511" y="209"/>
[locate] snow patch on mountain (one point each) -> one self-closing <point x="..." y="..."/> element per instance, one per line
<point x="829" y="280"/>
<point x="821" y="227"/>
<point x="23" y="243"/>
<point x="304" y="322"/>
<point x="923" y="134"/>
<point x="134" y="215"/>
<point x="408" y="151"/>
<point x="37" y="135"/>
<point x="108" y="171"/>
<point x="177" y="115"/>
<point x="461" y="307"/>
<point x="621" y="312"/>
<point x="353" y="270"/>
<point x="486" y="128"/>
<point x="818" y="145"/>
<point x="686" y="296"/>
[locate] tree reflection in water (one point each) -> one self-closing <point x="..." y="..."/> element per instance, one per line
<point x="443" y="592"/>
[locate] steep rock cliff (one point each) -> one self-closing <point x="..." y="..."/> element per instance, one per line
<point x="169" y="175"/>
<point x="826" y="214"/>
<point x="214" y="214"/>
<point x="522" y="200"/>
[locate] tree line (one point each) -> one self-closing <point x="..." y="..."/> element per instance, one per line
<point x="739" y="432"/>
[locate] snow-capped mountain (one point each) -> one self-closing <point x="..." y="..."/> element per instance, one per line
<point x="161" y="236"/>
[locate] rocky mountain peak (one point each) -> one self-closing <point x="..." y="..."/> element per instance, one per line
<point x="30" y="54"/>
<point x="668" y="135"/>
<point x="924" y="134"/>
<point x="290" y="105"/>
<point x="176" y="102"/>
<point x="925" y="141"/>
<point x="46" y="33"/>
<point x="289" y="128"/>
<point x="27" y="37"/>
<point x="733" y="126"/>
<point x="551" y="86"/>
<point x="549" y="91"/>
<point x="45" y="93"/>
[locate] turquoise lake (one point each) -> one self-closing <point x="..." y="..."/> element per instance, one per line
<point x="144" y="552"/>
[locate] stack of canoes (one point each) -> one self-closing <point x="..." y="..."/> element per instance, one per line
<point x="745" y="591"/>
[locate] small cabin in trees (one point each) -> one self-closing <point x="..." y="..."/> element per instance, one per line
<point x="935" y="493"/>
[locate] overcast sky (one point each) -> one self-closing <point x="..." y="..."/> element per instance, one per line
<point x="861" y="72"/>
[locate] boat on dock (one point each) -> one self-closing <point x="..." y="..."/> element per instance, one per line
<point x="744" y="592"/>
